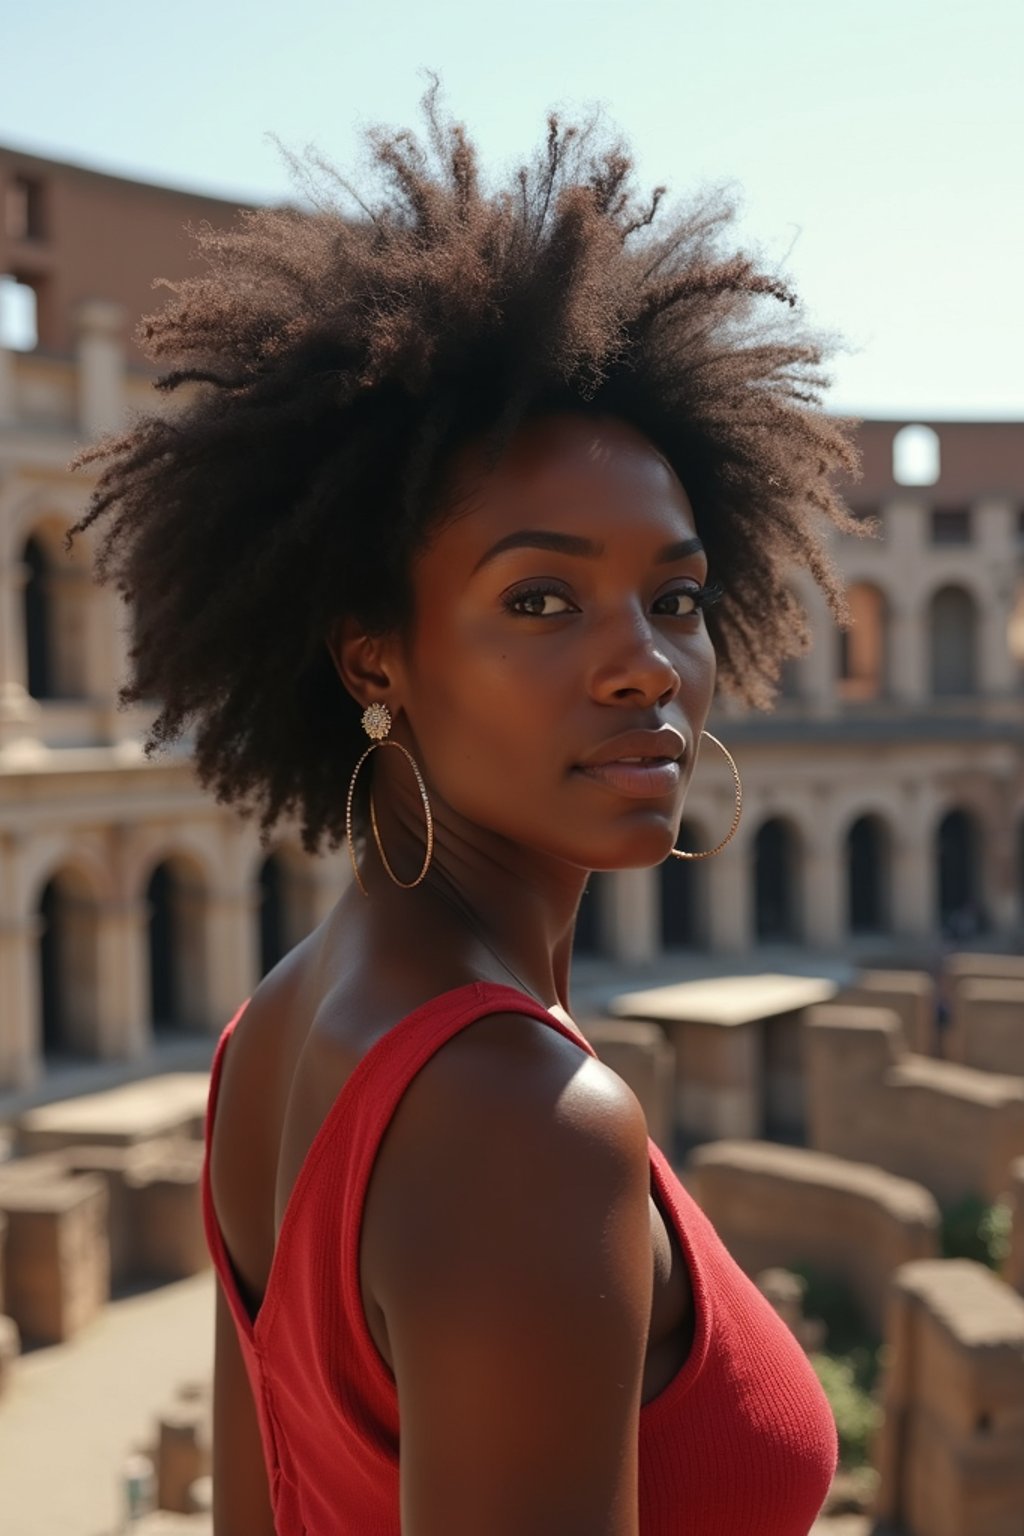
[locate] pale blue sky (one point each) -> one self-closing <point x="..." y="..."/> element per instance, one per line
<point x="877" y="143"/>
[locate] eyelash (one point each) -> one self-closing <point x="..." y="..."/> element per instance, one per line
<point x="703" y="598"/>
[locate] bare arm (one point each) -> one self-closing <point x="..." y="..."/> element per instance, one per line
<point x="241" y="1497"/>
<point x="516" y="1285"/>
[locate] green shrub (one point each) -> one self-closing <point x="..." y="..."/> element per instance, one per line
<point x="974" y="1229"/>
<point x="855" y="1411"/>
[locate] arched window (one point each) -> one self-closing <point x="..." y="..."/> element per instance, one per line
<point x="681" y="880"/>
<point x="952" y="628"/>
<point x="866" y="864"/>
<point x="69" y="966"/>
<point x="916" y="458"/>
<point x="775" y="882"/>
<point x="176" y="896"/>
<point x="959" y="886"/>
<point x="38" y="621"/>
<point x="862" y="647"/>
<point x="58" y="594"/>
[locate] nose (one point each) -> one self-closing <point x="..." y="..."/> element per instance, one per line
<point x="634" y="667"/>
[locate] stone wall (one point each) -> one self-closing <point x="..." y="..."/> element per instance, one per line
<point x="782" y="1206"/>
<point x="952" y="1128"/>
<point x="910" y="994"/>
<point x="987" y="1025"/>
<point x="950" y="1450"/>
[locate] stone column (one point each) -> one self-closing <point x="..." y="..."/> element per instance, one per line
<point x="630" y="916"/>
<point x="21" y="1049"/>
<point x="19" y="712"/>
<point x="914" y="895"/>
<point x="101" y="327"/>
<point x="823" y="890"/>
<point x="122" y="939"/>
<point x="820" y="665"/>
<point x="730" y="893"/>
<point x="907" y="656"/>
<point x="232" y="959"/>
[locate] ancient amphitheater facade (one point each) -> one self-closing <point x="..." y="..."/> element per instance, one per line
<point x="883" y="798"/>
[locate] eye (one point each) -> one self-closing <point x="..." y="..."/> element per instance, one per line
<point x="538" y="602"/>
<point x="688" y="600"/>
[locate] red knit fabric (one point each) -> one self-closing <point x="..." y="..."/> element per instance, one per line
<point x="740" y="1443"/>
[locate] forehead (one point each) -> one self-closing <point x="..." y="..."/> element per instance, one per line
<point x="569" y="464"/>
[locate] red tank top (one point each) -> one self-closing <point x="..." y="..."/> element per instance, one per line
<point x="741" y="1441"/>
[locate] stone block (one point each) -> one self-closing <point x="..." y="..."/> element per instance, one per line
<point x="183" y="1452"/>
<point x="110" y="1164"/>
<point x="775" y="1205"/>
<point x="951" y="1128"/>
<point x="57" y="1258"/>
<point x="642" y="1056"/>
<point x="163" y="1522"/>
<point x="967" y="964"/>
<point x="949" y="1449"/>
<point x="910" y="994"/>
<point x="736" y="1042"/>
<point x="171" y="1105"/>
<point x="987" y="1025"/>
<point x="164" y="1211"/>
<point x="10" y="1348"/>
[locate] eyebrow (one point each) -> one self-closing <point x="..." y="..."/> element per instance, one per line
<point x="575" y="544"/>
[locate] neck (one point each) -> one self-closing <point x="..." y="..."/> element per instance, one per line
<point x="484" y="903"/>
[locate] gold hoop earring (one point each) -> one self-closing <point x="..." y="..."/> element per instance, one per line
<point x="377" y="724"/>
<point x="677" y="853"/>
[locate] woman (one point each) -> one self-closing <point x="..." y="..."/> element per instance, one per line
<point x="500" y="482"/>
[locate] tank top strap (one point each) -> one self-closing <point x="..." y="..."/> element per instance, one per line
<point x="384" y="1073"/>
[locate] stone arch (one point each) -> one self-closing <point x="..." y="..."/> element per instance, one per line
<point x="777" y="881"/>
<point x="863" y="665"/>
<point x="868" y="868"/>
<point x="958" y="874"/>
<point x="68" y="913"/>
<point x="682" y="889"/>
<point x="953" y="641"/>
<point x="177" y="893"/>
<point x="56" y="595"/>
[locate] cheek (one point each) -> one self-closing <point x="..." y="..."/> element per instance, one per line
<point x="480" y="701"/>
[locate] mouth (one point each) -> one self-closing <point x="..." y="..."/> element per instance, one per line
<point x="638" y="778"/>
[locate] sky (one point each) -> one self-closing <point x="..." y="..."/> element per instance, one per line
<point x="875" y="146"/>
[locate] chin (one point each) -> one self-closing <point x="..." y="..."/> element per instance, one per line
<point x="640" y="848"/>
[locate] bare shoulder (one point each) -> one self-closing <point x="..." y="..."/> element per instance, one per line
<point x="522" y="1095"/>
<point x="508" y="1234"/>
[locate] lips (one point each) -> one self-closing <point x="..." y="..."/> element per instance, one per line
<point x="638" y="764"/>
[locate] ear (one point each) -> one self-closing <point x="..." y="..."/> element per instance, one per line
<point x="362" y="661"/>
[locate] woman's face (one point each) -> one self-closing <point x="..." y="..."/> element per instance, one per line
<point x="552" y="620"/>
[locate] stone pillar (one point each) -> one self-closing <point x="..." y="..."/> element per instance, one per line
<point x="122" y="939"/>
<point x="908" y="651"/>
<point x="823" y="890"/>
<point x="101" y="327"/>
<point x="232" y="958"/>
<point x="630" y="917"/>
<point x="19" y="712"/>
<point x="21" y="1053"/>
<point x="820" y="665"/>
<point x="730" y="893"/>
<point x="914" y="896"/>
